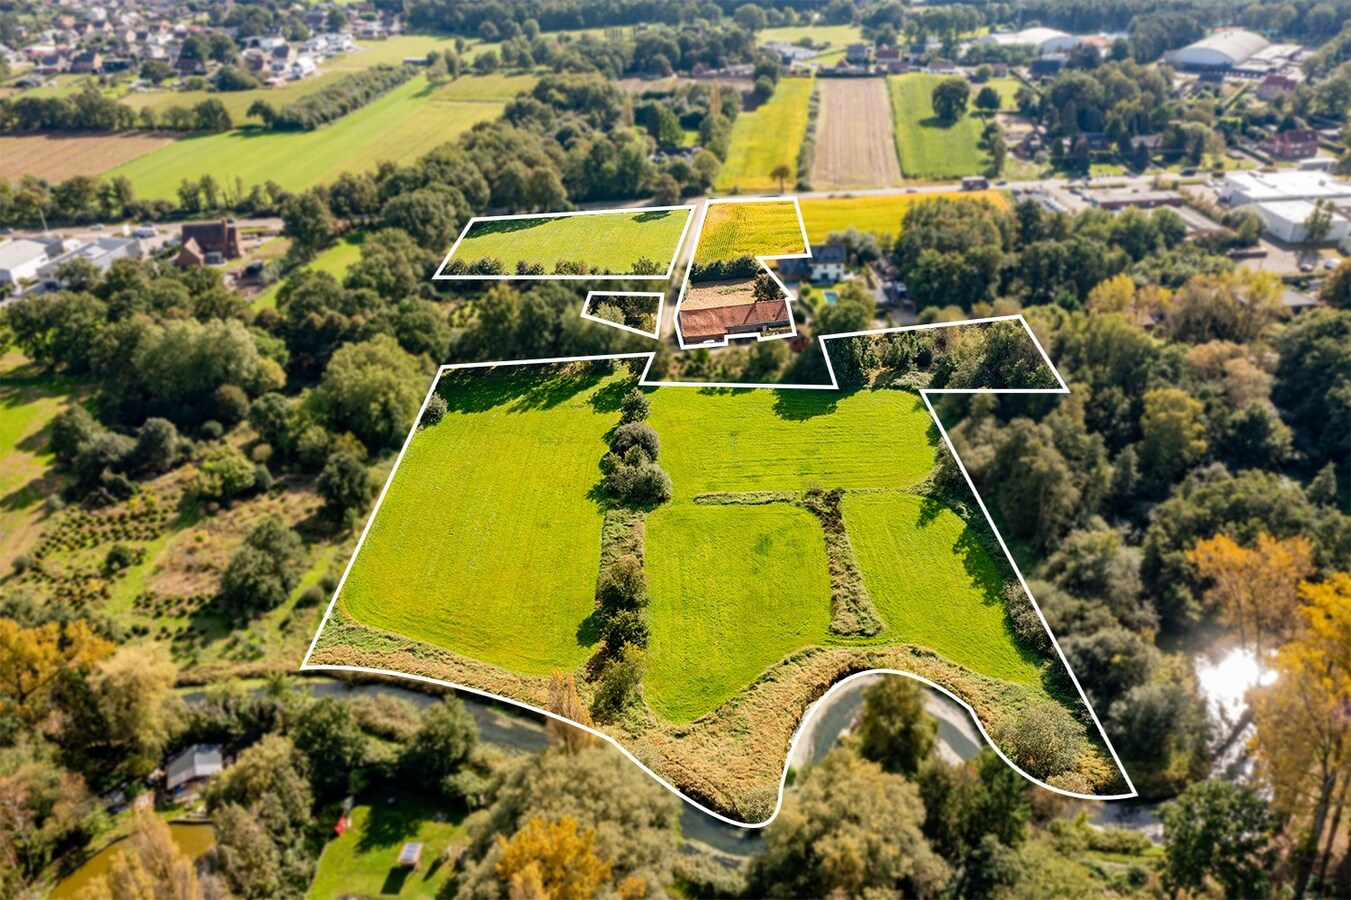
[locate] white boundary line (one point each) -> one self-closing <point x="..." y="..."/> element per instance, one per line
<point x="650" y="356"/>
<point x="655" y="333"/>
<point x="788" y="295"/>
<point x="665" y="276"/>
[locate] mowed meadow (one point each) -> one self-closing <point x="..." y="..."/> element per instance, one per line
<point x="488" y="541"/>
<point x="929" y="147"/>
<point x="404" y="124"/>
<point x="608" y="241"/>
<point x="766" y="137"/>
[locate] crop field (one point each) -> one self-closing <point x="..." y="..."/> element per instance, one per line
<point x="766" y="137"/>
<point x="58" y="157"/>
<point x="761" y="228"/>
<point x="881" y="214"/>
<point x="935" y="584"/>
<point x="855" y="142"/>
<point x="610" y="241"/>
<point x="400" y="126"/>
<point x="929" y="147"/>
<point x="486" y="541"/>
<point x="722" y="609"/>
<point x="763" y="440"/>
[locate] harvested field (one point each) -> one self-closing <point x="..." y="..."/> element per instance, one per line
<point x="856" y="145"/>
<point x="710" y="294"/>
<point x="58" y="157"/>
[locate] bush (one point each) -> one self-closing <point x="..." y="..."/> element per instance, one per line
<point x="1043" y="740"/>
<point x="635" y="407"/>
<point x="435" y="411"/>
<point x="106" y="451"/>
<point x="636" y="434"/>
<point x="623" y="584"/>
<point x="622" y="627"/>
<point x="224" y="473"/>
<point x="262" y="573"/>
<point x="650" y="485"/>
<point x="230" y="403"/>
<point x="345" y="485"/>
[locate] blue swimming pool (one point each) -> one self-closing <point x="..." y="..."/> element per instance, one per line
<point x="832" y="296"/>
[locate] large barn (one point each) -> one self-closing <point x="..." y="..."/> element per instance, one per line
<point x="1046" y="40"/>
<point x="1221" y="50"/>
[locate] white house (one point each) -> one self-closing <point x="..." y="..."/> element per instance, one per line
<point x="197" y="761"/>
<point x="1285" y="221"/>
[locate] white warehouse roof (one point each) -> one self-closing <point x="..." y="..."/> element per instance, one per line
<point x="1223" y="48"/>
<point x="1042" y="38"/>
<point x="1266" y="187"/>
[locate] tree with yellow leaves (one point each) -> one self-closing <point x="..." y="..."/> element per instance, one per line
<point x="563" y="701"/>
<point x="1256" y="589"/>
<point x="551" y="860"/>
<point x="150" y="866"/>
<point x="32" y="659"/>
<point x="1303" y="738"/>
<point x="1174" y="433"/>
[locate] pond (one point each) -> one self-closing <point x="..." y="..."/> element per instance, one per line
<point x="193" y="838"/>
<point x="1224" y="677"/>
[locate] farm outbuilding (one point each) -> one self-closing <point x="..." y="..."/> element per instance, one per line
<point x="1046" y="40"/>
<point x="1221" y="50"/>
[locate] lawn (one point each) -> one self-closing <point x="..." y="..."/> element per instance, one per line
<point x="363" y="860"/>
<point x="763" y="139"/>
<point x="400" y="126"/>
<point x="734" y="589"/>
<point x="880" y="213"/>
<point x="487" y="542"/>
<point x="763" y="440"/>
<point x="930" y="148"/>
<point x="335" y="261"/>
<point x="609" y="241"/>
<point x="838" y="36"/>
<point x="935" y="584"/>
<point x="760" y="228"/>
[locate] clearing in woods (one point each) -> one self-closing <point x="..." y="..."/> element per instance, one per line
<point x="855" y="143"/>
<point x="57" y="157"/>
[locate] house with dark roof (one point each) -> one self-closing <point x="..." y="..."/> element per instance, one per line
<point x="828" y="263"/>
<point x="208" y="243"/>
<point x="1297" y="143"/>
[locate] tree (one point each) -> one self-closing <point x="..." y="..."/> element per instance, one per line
<point x="950" y="97"/>
<point x="1217" y="830"/>
<point x="551" y="859"/>
<point x="1303" y="741"/>
<point x="1319" y="222"/>
<point x="1256" y="588"/>
<point x="443" y="742"/>
<point x="137" y="704"/>
<point x="32" y="660"/>
<point x="851" y="829"/>
<point x="894" y="730"/>
<point x="42" y="807"/>
<point x="154" y="869"/>
<point x="1109" y="662"/>
<point x="1174" y="436"/>
<point x="634" y="407"/>
<point x="371" y="389"/>
<point x="345" y="484"/>
<point x="308" y="221"/>
<point x="157" y="445"/>
<point x="1336" y="289"/>
<point x="262" y="573"/>
<point x="618" y="681"/>
<point x="71" y="430"/>
<point x="223" y="473"/>
<point x="781" y="173"/>
<point x="988" y="100"/>
<point x="328" y="736"/>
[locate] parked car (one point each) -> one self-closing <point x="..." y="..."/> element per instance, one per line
<point x="1329" y="263"/>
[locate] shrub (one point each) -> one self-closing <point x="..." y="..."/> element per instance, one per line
<point x="225" y="472"/>
<point x="262" y="573"/>
<point x="623" y="584"/>
<point x="1026" y="623"/>
<point x="72" y="429"/>
<point x="636" y="434"/>
<point x="212" y="430"/>
<point x="119" y="557"/>
<point x="230" y="403"/>
<point x="106" y="451"/>
<point x="617" y="682"/>
<point x="157" y="444"/>
<point x="345" y="485"/>
<point x="622" y="627"/>
<point x="1043" y="740"/>
<point x="435" y="411"/>
<point x="635" y="407"/>
<point x="650" y="485"/>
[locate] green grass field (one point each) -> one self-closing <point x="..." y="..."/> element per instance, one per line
<point x="930" y="148"/>
<point x="934" y="584"/>
<point x="612" y="241"/>
<point x="335" y="261"/>
<point x="761" y="228"/>
<point x="838" y="36"/>
<point x="766" y="137"/>
<point x="404" y="124"/>
<point x="877" y="213"/>
<point x="363" y="860"/>
<point x="762" y="440"/>
<point x="722" y="610"/>
<point x="487" y="542"/>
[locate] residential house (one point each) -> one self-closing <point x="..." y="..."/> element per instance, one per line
<point x="100" y="253"/>
<point x="857" y="54"/>
<point x="208" y="243"/>
<point x="21" y="258"/>
<point x="88" y="62"/>
<point x="941" y="67"/>
<point x="192" y="765"/>
<point x="1297" y="143"/>
<point x="701" y="326"/>
<point x="789" y="53"/>
<point x="891" y="60"/>
<point x="828" y="264"/>
<point x="1274" y="86"/>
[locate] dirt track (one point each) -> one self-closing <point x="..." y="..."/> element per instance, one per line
<point x="855" y="139"/>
